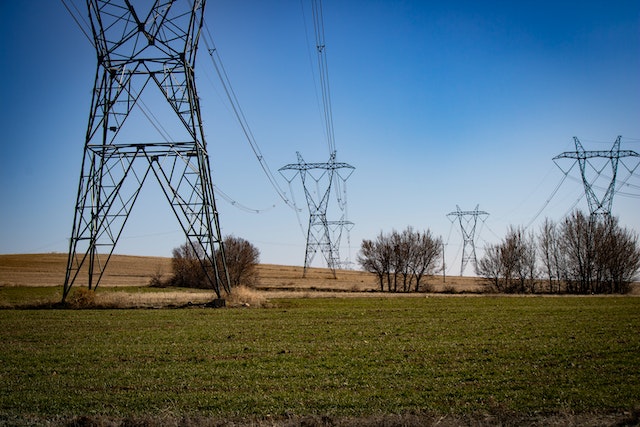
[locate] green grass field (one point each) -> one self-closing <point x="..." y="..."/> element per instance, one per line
<point x="335" y="357"/>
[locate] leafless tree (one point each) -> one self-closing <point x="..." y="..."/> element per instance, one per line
<point x="551" y="255"/>
<point x="242" y="259"/>
<point x="426" y="256"/>
<point x="510" y="256"/>
<point x="490" y="267"/>
<point x="582" y="254"/>
<point x="577" y="237"/>
<point x="624" y="266"/>
<point x="375" y="256"/>
<point x="511" y="265"/>
<point x="528" y="262"/>
<point x="369" y="259"/>
<point x="187" y="265"/>
<point x="190" y="267"/>
<point x="402" y="251"/>
<point x="402" y="258"/>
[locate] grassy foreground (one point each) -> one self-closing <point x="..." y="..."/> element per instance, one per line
<point x="326" y="357"/>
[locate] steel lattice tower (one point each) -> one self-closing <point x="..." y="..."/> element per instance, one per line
<point x="597" y="205"/>
<point x="322" y="234"/>
<point x="139" y="51"/>
<point x="468" y="221"/>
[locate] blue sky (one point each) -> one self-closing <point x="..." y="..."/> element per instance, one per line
<point x="436" y="104"/>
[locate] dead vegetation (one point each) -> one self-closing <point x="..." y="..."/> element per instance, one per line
<point x="49" y="270"/>
<point x="125" y="270"/>
<point x="276" y="281"/>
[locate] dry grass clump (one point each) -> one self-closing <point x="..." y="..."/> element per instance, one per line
<point x="82" y="298"/>
<point x="240" y="296"/>
<point x="123" y="299"/>
<point x="243" y="296"/>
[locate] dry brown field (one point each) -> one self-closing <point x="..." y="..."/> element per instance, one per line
<point x="124" y="270"/>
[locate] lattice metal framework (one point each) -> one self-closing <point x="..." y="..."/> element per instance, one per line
<point x="139" y="51"/>
<point x="597" y="205"/>
<point x="468" y="221"/>
<point x="318" y="180"/>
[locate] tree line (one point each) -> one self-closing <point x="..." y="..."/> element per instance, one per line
<point x="579" y="255"/>
<point x="400" y="260"/>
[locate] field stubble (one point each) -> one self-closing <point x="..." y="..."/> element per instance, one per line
<point x="125" y="270"/>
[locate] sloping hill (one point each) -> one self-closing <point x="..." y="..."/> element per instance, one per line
<point x="126" y="270"/>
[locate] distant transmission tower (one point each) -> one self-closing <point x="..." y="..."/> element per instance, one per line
<point x="468" y="221"/>
<point x="318" y="180"/>
<point x="597" y="205"/>
<point x="141" y="51"/>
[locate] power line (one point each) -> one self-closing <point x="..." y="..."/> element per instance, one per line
<point x="239" y="113"/>
<point x="546" y="203"/>
<point x="318" y="26"/>
<point x="77" y="20"/>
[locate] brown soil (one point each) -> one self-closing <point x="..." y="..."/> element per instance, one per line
<point x="275" y="280"/>
<point x="124" y="270"/>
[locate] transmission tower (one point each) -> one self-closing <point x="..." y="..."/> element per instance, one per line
<point x="140" y="51"/>
<point x="318" y="179"/>
<point x="468" y="221"/>
<point x="597" y="205"/>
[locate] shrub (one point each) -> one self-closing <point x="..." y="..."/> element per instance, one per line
<point x="82" y="298"/>
<point x="243" y="296"/>
<point x="242" y="258"/>
<point x="190" y="261"/>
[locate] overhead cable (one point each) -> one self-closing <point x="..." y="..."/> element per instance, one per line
<point x="318" y="26"/>
<point x="546" y="203"/>
<point x="77" y="21"/>
<point x="239" y="113"/>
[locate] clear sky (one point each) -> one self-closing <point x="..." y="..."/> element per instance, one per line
<point x="436" y="104"/>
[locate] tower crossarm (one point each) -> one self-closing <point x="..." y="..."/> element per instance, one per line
<point x="591" y="154"/>
<point x="310" y="166"/>
<point x="465" y="213"/>
<point x="597" y="205"/>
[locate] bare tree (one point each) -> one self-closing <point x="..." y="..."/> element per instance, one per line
<point x="190" y="267"/>
<point x="616" y="258"/>
<point x="623" y="267"/>
<point x="529" y="261"/>
<point x="490" y="267"/>
<point x="187" y="265"/>
<point x="511" y="265"/>
<point x="510" y="255"/>
<point x="407" y="256"/>
<point x="371" y="261"/>
<point x="426" y="256"/>
<point x="578" y="243"/>
<point x="583" y="254"/>
<point x="242" y="259"/>
<point x="401" y="245"/>
<point x="551" y="256"/>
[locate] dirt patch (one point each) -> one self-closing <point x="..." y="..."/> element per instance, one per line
<point x="631" y="418"/>
<point x="276" y="280"/>
<point x="124" y="270"/>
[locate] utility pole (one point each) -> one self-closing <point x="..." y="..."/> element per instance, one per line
<point x="468" y="221"/>
<point x="444" y="270"/>
<point x="148" y="48"/>
<point x="597" y="205"/>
